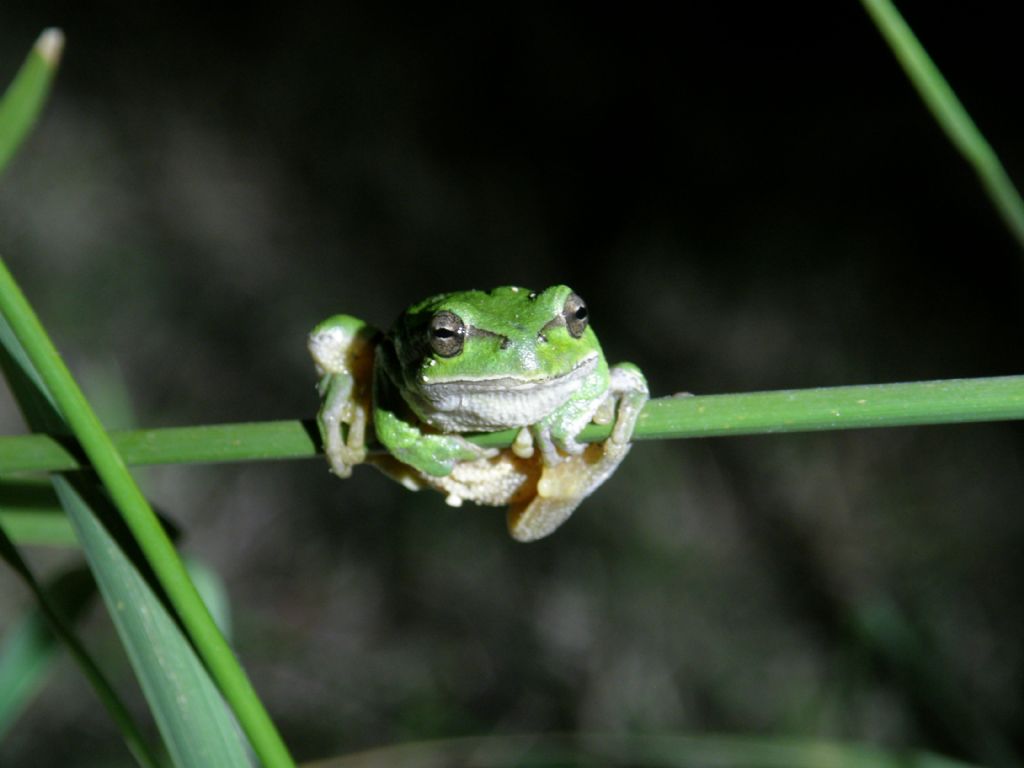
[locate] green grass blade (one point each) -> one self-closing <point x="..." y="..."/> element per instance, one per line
<point x="31" y="514"/>
<point x="156" y="546"/>
<point x="195" y="724"/>
<point x="950" y="113"/>
<point x="951" y="401"/>
<point x="30" y="646"/>
<point x="174" y="445"/>
<point x="192" y="717"/>
<point x="115" y="707"/>
<point x="211" y="587"/>
<point x="27" y="654"/>
<point x="875" y="405"/>
<point x="661" y="751"/>
<point x="25" y="96"/>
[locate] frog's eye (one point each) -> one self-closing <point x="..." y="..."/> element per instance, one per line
<point x="447" y="333"/>
<point x="575" y="314"/>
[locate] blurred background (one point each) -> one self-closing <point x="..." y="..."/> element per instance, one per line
<point x="748" y="198"/>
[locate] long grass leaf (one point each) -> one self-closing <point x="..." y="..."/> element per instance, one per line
<point x="193" y="719"/>
<point x="30" y="647"/>
<point x="947" y="110"/>
<point x="621" y="751"/>
<point x="31" y="514"/>
<point x="115" y="707"/>
<point x="146" y="529"/>
<point x="950" y="401"/>
<point x="195" y="724"/>
<point x="25" y="96"/>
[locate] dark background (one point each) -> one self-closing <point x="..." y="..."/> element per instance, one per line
<point x="748" y="198"/>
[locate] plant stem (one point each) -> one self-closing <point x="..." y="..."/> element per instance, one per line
<point x="947" y="110"/>
<point x="801" y="410"/>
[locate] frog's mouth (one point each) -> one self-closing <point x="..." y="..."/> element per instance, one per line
<point x="498" y="402"/>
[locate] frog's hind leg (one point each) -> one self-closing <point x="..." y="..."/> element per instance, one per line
<point x="563" y="485"/>
<point x="559" y="490"/>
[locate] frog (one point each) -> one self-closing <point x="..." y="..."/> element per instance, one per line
<point x="477" y="361"/>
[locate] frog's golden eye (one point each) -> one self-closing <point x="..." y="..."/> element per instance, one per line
<point x="447" y="333"/>
<point x="575" y="314"/>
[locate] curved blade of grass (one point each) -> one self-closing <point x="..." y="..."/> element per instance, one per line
<point x="947" y="110"/>
<point x="193" y="719"/>
<point x="31" y="514"/>
<point x="129" y="731"/>
<point x="30" y="646"/>
<point x="211" y="587"/>
<point x="25" y="96"/>
<point x="950" y="401"/>
<point x="146" y="529"/>
<point x="195" y="724"/>
<point x="662" y="751"/>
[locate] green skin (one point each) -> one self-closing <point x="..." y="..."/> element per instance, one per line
<point x="518" y="359"/>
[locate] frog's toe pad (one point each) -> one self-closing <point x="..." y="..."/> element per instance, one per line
<point x="529" y="522"/>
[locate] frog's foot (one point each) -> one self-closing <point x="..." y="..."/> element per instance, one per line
<point x="565" y="482"/>
<point x="559" y="490"/>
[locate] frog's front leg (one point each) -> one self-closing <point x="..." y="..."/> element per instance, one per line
<point x="402" y="434"/>
<point x="557" y="434"/>
<point x="343" y="349"/>
<point x="563" y="484"/>
<point x="629" y="387"/>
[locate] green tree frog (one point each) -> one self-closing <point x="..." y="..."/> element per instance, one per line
<point x="476" y="361"/>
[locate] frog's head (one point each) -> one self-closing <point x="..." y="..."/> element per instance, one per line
<point x="496" y="359"/>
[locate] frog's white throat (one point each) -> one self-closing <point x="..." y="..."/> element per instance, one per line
<point x="490" y="403"/>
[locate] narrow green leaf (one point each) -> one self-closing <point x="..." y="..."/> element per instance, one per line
<point x="189" y="711"/>
<point x="875" y="405"/>
<point x="25" y="96"/>
<point x="26" y="656"/>
<point x="193" y="719"/>
<point x="661" y="751"/>
<point x="115" y="707"/>
<point x="947" y="110"/>
<point x="211" y="588"/>
<point x="156" y="546"/>
<point x="950" y="401"/>
<point x="30" y="647"/>
<point x="31" y="514"/>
